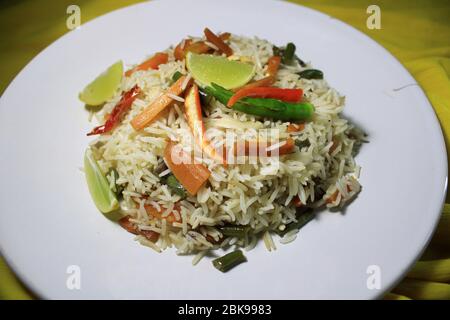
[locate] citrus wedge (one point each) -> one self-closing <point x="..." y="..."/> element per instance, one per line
<point x="207" y="69"/>
<point x="104" y="198"/>
<point x="104" y="86"/>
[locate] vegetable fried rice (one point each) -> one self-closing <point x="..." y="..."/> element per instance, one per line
<point x="173" y="149"/>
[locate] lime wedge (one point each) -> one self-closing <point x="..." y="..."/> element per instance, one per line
<point x="98" y="185"/>
<point x="104" y="86"/>
<point x="229" y="74"/>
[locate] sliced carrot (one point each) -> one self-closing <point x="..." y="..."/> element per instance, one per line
<point x="191" y="175"/>
<point x="218" y="42"/>
<point x="128" y="225"/>
<point x="288" y="147"/>
<point x="151" y="112"/>
<point x="171" y="217"/>
<point x="193" y="110"/>
<point x="179" y="51"/>
<point x="295" y="127"/>
<point x="272" y="69"/>
<point x="152" y="63"/>
<point x="225" y="36"/>
<point x="132" y="228"/>
<point x="334" y="196"/>
<point x="149" y="235"/>
<point x="196" y="47"/>
<point x="264" y="82"/>
<point x="272" y="65"/>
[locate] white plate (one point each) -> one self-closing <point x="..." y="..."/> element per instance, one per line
<point x="48" y="221"/>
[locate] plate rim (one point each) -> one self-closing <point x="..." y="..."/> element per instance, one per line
<point x="27" y="282"/>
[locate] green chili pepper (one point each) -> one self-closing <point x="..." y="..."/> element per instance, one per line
<point x="311" y="74"/>
<point x="301" y="144"/>
<point x="288" y="54"/>
<point x="177" y="75"/>
<point x="176" y="186"/>
<point x="270" y="108"/>
<point x="300" y="61"/>
<point x="234" y="231"/>
<point x="280" y="52"/>
<point x="229" y="261"/>
<point x="117" y="188"/>
<point x="302" y="220"/>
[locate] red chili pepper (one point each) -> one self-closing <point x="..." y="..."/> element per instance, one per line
<point x="119" y="110"/>
<point x="287" y="95"/>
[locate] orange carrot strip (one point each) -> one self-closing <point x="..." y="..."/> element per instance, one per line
<point x="149" y="235"/>
<point x="264" y="82"/>
<point x="171" y="217"/>
<point x="128" y="225"/>
<point x="192" y="176"/>
<point x="197" y="47"/>
<point x="193" y="110"/>
<point x="180" y="50"/>
<point x="225" y="36"/>
<point x="149" y="114"/>
<point x="152" y="63"/>
<point x="288" y="147"/>
<point x="218" y="42"/>
<point x="334" y="196"/>
<point x="295" y="127"/>
<point x="132" y="228"/>
<point x="272" y="65"/>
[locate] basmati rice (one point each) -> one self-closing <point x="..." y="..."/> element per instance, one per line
<point x="258" y="193"/>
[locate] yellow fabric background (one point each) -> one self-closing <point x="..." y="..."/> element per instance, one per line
<point x="416" y="32"/>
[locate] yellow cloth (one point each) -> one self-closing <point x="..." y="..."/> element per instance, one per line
<point x="416" y="32"/>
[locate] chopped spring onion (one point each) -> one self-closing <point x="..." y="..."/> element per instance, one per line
<point x="175" y="186"/>
<point x="302" y="220"/>
<point x="311" y="74"/>
<point x="177" y="75"/>
<point x="116" y="187"/>
<point x="289" y="53"/>
<point x="234" y="231"/>
<point x="229" y="261"/>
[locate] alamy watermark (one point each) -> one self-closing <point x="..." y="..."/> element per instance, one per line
<point x="373" y="281"/>
<point x="73" y="21"/>
<point x="73" y="281"/>
<point x="374" y="19"/>
<point x="248" y="146"/>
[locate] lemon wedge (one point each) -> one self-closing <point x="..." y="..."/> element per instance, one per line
<point x="104" y="198"/>
<point x="207" y="69"/>
<point x="104" y="86"/>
